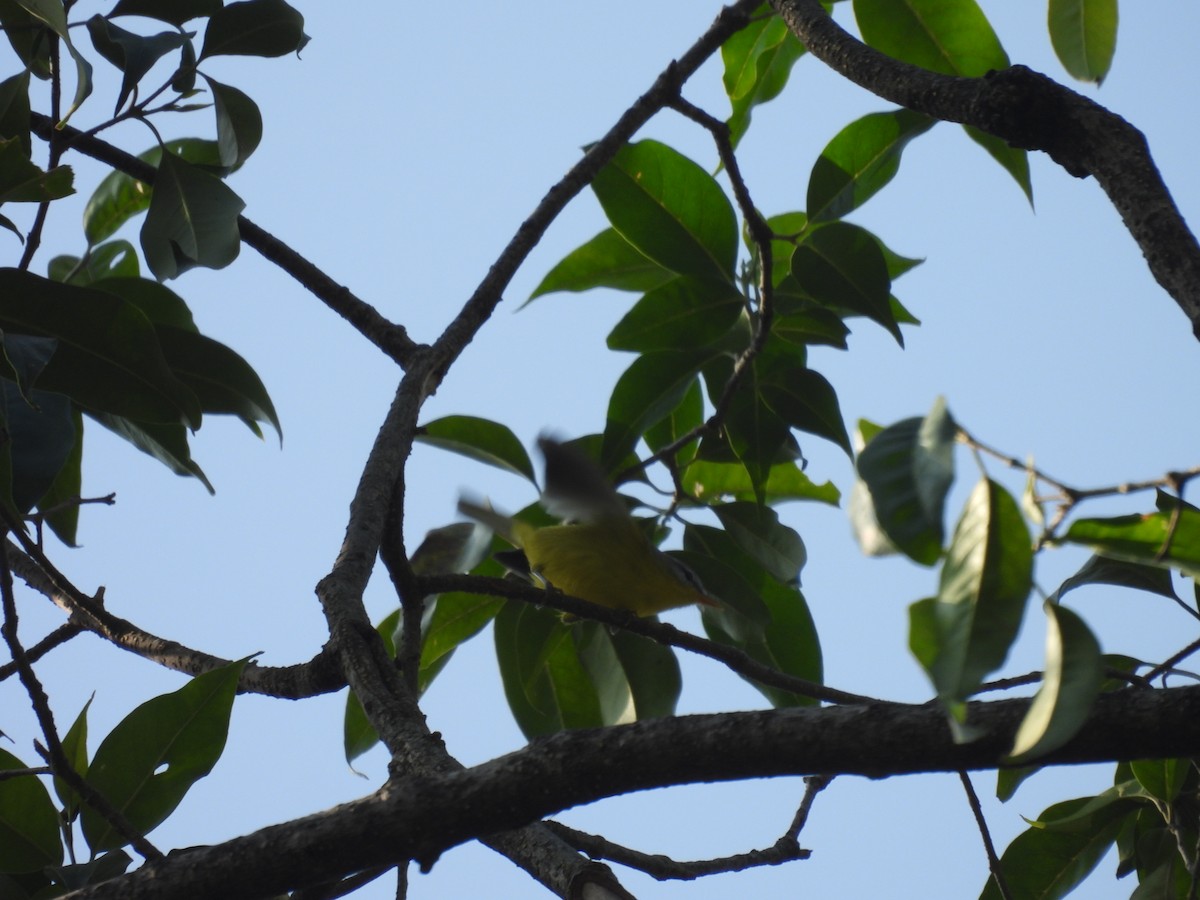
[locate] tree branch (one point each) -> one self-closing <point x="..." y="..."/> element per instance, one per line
<point x="1028" y="110"/>
<point x="421" y="817"/>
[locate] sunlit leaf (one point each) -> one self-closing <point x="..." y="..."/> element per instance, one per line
<point x="607" y="260"/>
<point x="479" y="439"/>
<point x="1084" y="35"/>
<point x="1071" y="681"/>
<point x="670" y="210"/>
<point x="758" y="60"/>
<point x="684" y="313"/>
<point x="1143" y="538"/>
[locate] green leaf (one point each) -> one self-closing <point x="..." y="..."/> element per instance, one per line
<point x="1143" y="539"/>
<point x="1084" y="35"/>
<point x="758" y="60"/>
<point x="1070" y="684"/>
<point x="102" y="868"/>
<point x="108" y="356"/>
<point x="27" y="37"/>
<point x="40" y="436"/>
<point x="908" y="468"/>
<point x="708" y="481"/>
<point x="768" y="620"/>
<point x="1012" y="159"/>
<point x="14" y="110"/>
<point x="634" y="677"/>
<point x="646" y="392"/>
<point x="74" y="744"/>
<point x="120" y="197"/>
<point x="192" y="219"/>
<point x="806" y="400"/>
<point x="28" y="822"/>
<point x="176" y="12"/>
<point x="222" y="381"/>
<point x="53" y="14"/>
<point x="146" y="765"/>
<point x="811" y="326"/>
<point x="547" y="686"/>
<point x="757" y="436"/>
<point x="479" y="439"/>
<point x="685" y="313"/>
<point x="456" y="618"/>
<point x="683" y="419"/>
<point x="1049" y="863"/>
<point x="670" y="210"/>
<point x="841" y="266"/>
<point x="863" y="158"/>
<point x="758" y="532"/>
<point x="133" y="54"/>
<point x="166" y="442"/>
<point x="254" y="28"/>
<point x="59" y="503"/>
<point x="948" y="36"/>
<point x="987" y="574"/>
<point x="157" y="302"/>
<point x="23" y="182"/>
<point x="116" y="259"/>
<point x="607" y="260"/>
<point x="1163" y="779"/>
<point x="1101" y="570"/>
<point x="239" y="123"/>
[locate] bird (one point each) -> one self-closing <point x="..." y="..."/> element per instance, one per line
<point x="600" y="553"/>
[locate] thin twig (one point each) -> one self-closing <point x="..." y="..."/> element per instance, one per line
<point x="53" y="752"/>
<point x="666" y="634"/>
<point x="57" y="637"/>
<point x="988" y="846"/>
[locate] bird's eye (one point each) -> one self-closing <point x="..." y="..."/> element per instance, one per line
<point x="686" y="575"/>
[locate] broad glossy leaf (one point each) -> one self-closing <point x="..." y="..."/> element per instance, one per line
<point x="14" y="110"/>
<point x="27" y="36"/>
<point x="685" y="313"/>
<point x="908" y="469"/>
<point x="108" y="355"/>
<point x="157" y="302"/>
<point x="192" y="220"/>
<point x="239" y="123"/>
<point x="758" y="60"/>
<point x="40" y="437"/>
<point x="1084" y="35"/>
<point x="842" y="267"/>
<point x="779" y="633"/>
<point x="133" y="54"/>
<point x="53" y="14"/>
<point x="987" y="574"/>
<point x="1163" y="779"/>
<point x="1071" y="682"/>
<point x="28" y="822"/>
<point x="166" y="442"/>
<point x="120" y="197"/>
<point x="948" y="36"/>
<point x="670" y="210"/>
<point x="607" y="260"/>
<point x="1102" y="570"/>
<point x="146" y="765"/>
<point x="222" y="381"/>
<point x="254" y="28"/>
<point x="807" y="401"/>
<point x="708" y="481"/>
<point x="857" y="163"/>
<point x="176" y="12"/>
<point x="1051" y="863"/>
<point x="479" y="439"/>
<point x="74" y="744"/>
<point x="115" y="259"/>
<point x="547" y="686"/>
<point x="1143" y="539"/>
<point x="752" y="430"/>
<point x="683" y="419"/>
<point x="812" y="326"/>
<point x="23" y="182"/>
<point x="758" y="531"/>
<point x="58" y="504"/>
<point x="1012" y="159"/>
<point x="456" y="618"/>
<point x="647" y="391"/>
<point x="634" y="677"/>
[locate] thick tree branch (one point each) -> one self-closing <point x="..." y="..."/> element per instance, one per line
<point x="1030" y="111"/>
<point x="421" y="817"/>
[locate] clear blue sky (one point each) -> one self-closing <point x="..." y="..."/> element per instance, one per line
<point x="400" y="154"/>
